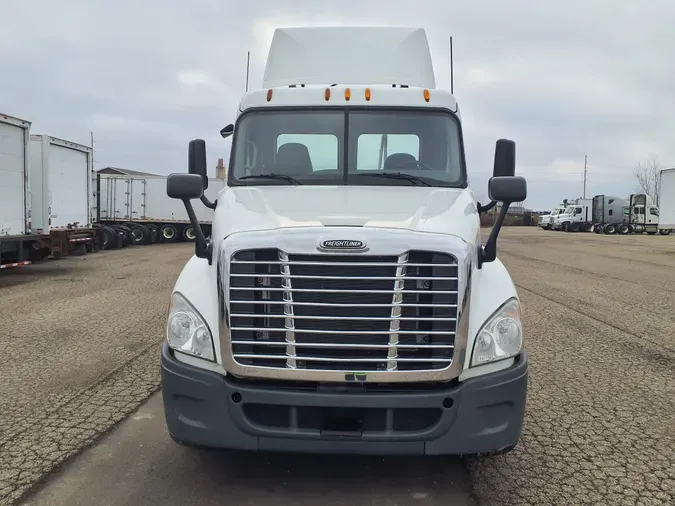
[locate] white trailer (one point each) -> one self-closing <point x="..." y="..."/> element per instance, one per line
<point x="45" y="194"/>
<point x="141" y="205"/>
<point x="667" y="201"/>
<point x="61" y="193"/>
<point x="15" y="237"/>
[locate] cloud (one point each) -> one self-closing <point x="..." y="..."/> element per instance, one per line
<point x="562" y="79"/>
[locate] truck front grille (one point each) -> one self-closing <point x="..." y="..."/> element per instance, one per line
<point x="343" y="312"/>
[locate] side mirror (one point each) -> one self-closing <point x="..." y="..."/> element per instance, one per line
<point x="225" y="132"/>
<point x="187" y="187"/>
<point x="507" y="189"/>
<point x="503" y="187"/>
<point x="184" y="186"/>
<point x="197" y="160"/>
<point x="505" y="158"/>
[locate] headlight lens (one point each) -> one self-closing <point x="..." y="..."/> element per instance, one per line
<point x="501" y="337"/>
<point x="186" y="330"/>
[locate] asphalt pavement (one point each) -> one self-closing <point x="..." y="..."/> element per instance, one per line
<point x="139" y="464"/>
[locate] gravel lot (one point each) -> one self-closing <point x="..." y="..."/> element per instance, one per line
<point x="81" y="354"/>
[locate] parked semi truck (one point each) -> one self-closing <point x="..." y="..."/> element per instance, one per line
<point x="139" y="209"/>
<point x="553" y="216"/>
<point x="345" y="300"/>
<point x="636" y="214"/>
<point x="666" y="201"/>
<point x="576" y="217"/>
<point x="44" y="195"/>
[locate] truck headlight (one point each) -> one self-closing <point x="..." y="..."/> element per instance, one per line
<point x="500" y="337"/>
<point x="186" y="330"/>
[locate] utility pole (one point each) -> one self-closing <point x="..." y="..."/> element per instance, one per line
<point x="585" y="172"/>
<point x="452" y="71"/>
<point x="248" y="68"/>
<point x="92" y="150"/>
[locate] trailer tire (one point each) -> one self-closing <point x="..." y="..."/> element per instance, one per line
<point x="169" y="233"/>
<point x="623" y="229"/>
<point x="189" y="234"/>
<point x="109" y="238"/>
<point x="128" y="236"/>
<point x="140" y="234"/>
<point x="665" y="231"/>
<point x="610" y="229"/>
<point x="154" y="232"/>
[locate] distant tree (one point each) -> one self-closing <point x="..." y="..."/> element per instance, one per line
<point x="646" y="175"/>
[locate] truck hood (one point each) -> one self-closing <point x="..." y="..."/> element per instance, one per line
<point x="449" y="211"/>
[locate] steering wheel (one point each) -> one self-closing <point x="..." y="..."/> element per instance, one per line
<point x="419" y="165"/>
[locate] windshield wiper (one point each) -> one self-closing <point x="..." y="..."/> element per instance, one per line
<point x="398" y="175"/>
<point x="278" y="177"/>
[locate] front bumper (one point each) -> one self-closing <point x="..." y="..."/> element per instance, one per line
<point x="480" y="415"/>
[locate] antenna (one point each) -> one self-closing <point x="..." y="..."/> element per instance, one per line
<point x="452" y="70"/>
<point x="248" y="68"/>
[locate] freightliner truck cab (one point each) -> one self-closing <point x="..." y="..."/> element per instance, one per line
<point x="345" y="301"/>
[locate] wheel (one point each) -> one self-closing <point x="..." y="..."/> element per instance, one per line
<point x="565" y="227"/>
<point x="189" y="234"/>
<point x="168" y="233"/>
<point x="574" y="227"/>
<point x="665" y="231"/>
<point x="623" y="229"/>
<point x="110" y="238"/>
<point x="154" y="232"/>
<point x="588" y="227"/>
<point x="610" y="228"/>
<point x="140" y="234"/>
<point x="597" y="228"/>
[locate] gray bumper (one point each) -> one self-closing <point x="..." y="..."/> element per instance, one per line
<point x="479" y="415"/>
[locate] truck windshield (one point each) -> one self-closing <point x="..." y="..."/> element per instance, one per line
<point x="336" y="146"/>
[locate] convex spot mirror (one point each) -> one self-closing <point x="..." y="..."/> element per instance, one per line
<point x="184" y="186"/>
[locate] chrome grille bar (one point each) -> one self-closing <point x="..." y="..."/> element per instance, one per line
<point x="338" y="264"/>
<point x="347" y="332"/>
<point x="347" y="345"/>
<point x="288" y="311"/>
<point x="354" y="318"/>
<point x="315" y="290"/>
<point x="395" y="323"/>
<point x="330" y="304"/>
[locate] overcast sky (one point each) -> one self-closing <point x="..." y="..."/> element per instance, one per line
<point x="561" y="78"/>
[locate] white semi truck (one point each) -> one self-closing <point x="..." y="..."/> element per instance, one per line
<point x="345" y="300"/>
<point x="576" y="217"/>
